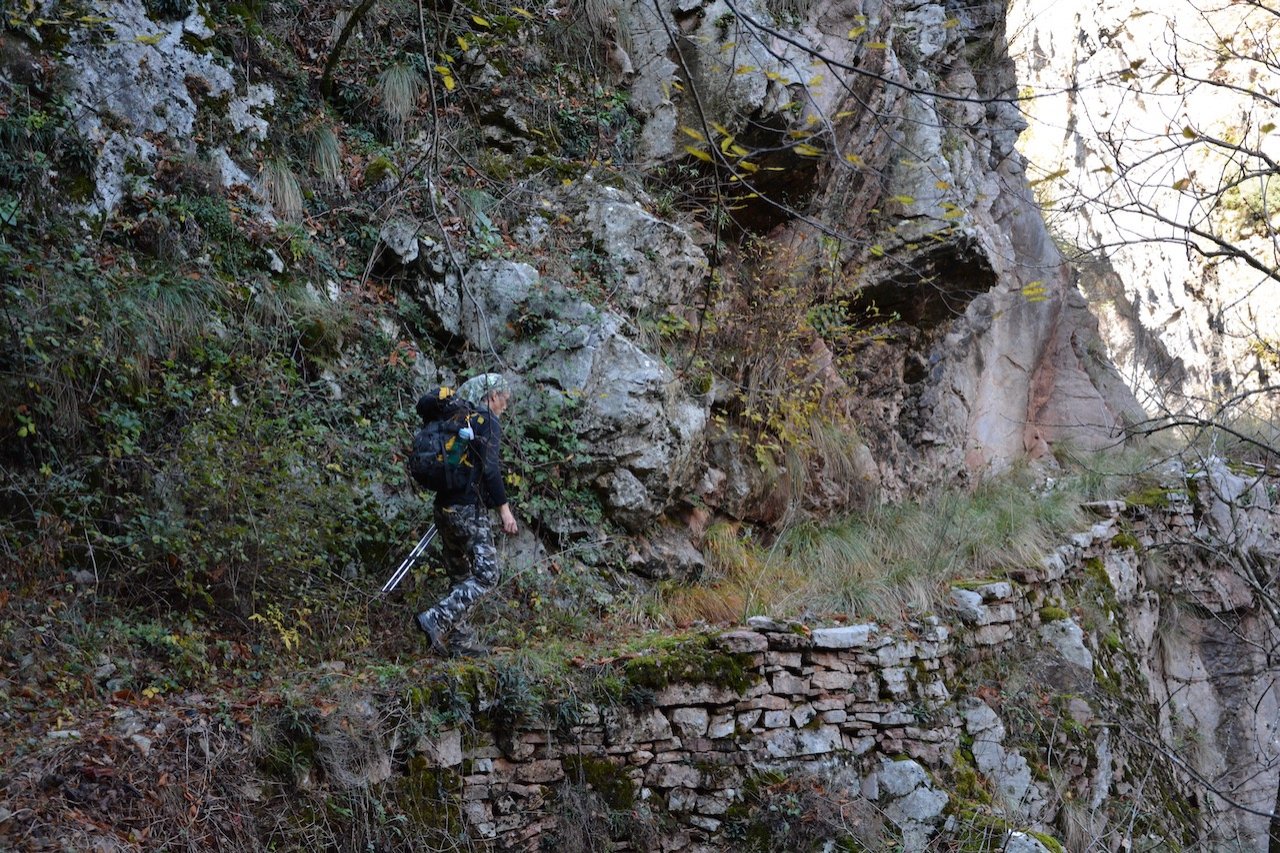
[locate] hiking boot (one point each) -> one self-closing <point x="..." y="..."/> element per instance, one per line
<point x="429" y="624"/>
<point x="466" y="642"/>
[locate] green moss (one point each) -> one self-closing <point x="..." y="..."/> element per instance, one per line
<point x="1124" y="539"/>
<point x="431" y="797"/>
<point x="1050" y="613"/>
<point x="966" y="781"/>
<point x="1156" y="497"/>
<point x="378" y="169"/>
<point x="607" y="779"/>
<point x="697" y="661"/>
<point x="975" y="583"/>
<point x="1051" y="843"/>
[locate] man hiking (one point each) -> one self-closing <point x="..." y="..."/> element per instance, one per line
<point x="462" y="520"/>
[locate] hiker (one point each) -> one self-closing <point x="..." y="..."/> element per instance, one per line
<point x="462" y="520"/>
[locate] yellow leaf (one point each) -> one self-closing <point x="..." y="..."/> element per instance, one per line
<point x="699" y="153"/>
<point x="738" y="151"/>
<point x="773" y="75"/>
<point x="748" y="166"/>
<point x="857" y="31"/>
<point x="950" y="23"/>
<point x="720" y="129"/>
<point x="152" y="40"/>
<point x="690" y="132"/>
<point x="1188" y="133"/>
<point x="725" y="144"/>
<point x="877" y="45"/>
<point x="904" y="199"/>
<point x="855" y="159"/>
<point x="524" y="13"/>
<point x="878" y="251"/>
<point x="941" y="185"/>
<point x="806" y="150"/>
<point x="744" y="69"/>
<point x="816" y="80"/>
<point x="1181" y="183"/>
<point x="464" y="43"/>
<point x="481" y="22"/>
<point x="1268" y="127"/>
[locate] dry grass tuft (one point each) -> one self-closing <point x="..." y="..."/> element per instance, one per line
<point x="280" y="186"/>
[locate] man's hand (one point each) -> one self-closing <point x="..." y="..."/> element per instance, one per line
<point x="509" y="525"/>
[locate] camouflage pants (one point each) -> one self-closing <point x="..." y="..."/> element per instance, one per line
<point x="469" y="557"/>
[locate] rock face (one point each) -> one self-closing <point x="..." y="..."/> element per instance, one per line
<point x="641" y="435"/>
<point x="991" y="353"/>
<point x="1120" y="160"/>
<point x="137" y="79"/>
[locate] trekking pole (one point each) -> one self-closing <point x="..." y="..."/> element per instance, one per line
<point x="394" y="580"/>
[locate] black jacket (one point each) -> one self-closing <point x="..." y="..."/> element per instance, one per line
<point x="486" y="484"/>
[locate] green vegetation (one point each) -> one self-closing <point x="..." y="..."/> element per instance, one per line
<point x="885" y="560"/>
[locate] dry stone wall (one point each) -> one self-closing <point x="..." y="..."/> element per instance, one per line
<point x="885" y="717"/>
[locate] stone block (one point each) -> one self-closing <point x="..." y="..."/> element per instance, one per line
<point x="672" y="776"/>
<point x="846" y="637"/>
<point x="690" y="722"/>
<point x="720" y="725"/>
<point x="998" y="591"/>
<point x="623" y="727"/>
<point x="835" y="716"/>
<point x="828" y="660"/>
<point x="789" y="642"/>
<point x="693" y="694"/>
<point x="833" y="681"/>
<point x="786" y="684"/>
<point x="992" y="635"/>
<point x="709" y="824"/>
<point x="859" y="745"/>
<point x="895" y="681"/>
<point x="790" y="743"/>
<point x="968" y="606"/>
<point x="541" y="772"/>
<point x="443" y="750"/>
<point x="767" y="702"/>
<point x="801" y="715"/>
<point x="789" y="660"/>
<point x="895" y="654"/>
<point x="777" y="719"/>
<point x="742" y="642"/>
